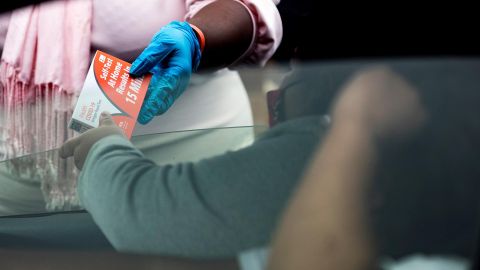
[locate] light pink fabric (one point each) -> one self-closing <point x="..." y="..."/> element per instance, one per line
<point x="125" y="27"/>
<point x="44" y="63"/>
<point x="48" y="44"/>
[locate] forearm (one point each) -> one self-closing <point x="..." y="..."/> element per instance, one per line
<point x="171" y="209"/>
<point x="325" y="226"/>
<point x="142" y="207"/>
<point x="228" y="29"/>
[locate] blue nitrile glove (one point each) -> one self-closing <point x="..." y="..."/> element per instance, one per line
<point x="172" y="56"/>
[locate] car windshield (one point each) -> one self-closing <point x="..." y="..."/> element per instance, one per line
<point x="229" y="133"/>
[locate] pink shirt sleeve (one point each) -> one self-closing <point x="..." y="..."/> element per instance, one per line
<point x="267" y="28"/>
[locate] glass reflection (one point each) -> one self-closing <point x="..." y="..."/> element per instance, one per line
<point x="43" y="182"/>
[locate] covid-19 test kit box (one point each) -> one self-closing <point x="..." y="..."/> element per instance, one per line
<point x="109" y="87"/>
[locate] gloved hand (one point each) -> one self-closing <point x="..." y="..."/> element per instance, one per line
<point x="172" y="56"/>
<point x="79" y="147"/>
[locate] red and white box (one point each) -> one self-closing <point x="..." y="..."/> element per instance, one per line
<point x="109" y="87"/>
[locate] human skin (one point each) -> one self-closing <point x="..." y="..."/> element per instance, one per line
<point x="326" y="223"/>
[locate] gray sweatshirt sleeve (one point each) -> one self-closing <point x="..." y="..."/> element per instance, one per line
<point x="216" y="207"/>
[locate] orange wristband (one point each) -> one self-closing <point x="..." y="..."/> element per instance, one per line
<point x="200" y="36"/>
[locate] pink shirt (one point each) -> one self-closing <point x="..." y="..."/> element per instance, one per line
<point x="125" y="27"/>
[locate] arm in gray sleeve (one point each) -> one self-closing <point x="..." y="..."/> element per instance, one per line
<point x="216" y="207"/>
